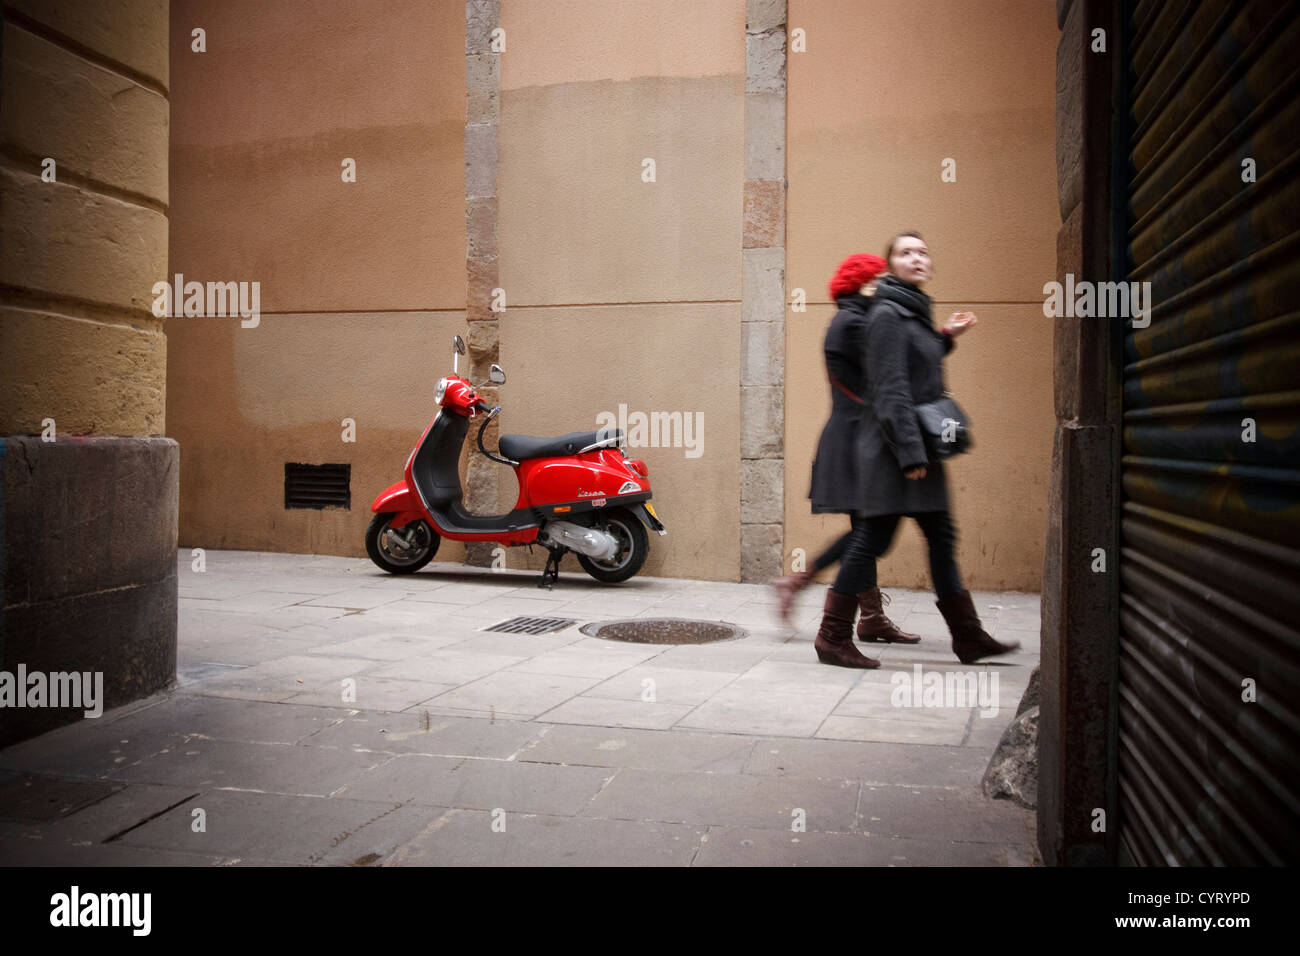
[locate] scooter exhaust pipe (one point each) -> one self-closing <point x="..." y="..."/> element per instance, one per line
<point x="594" y="544"/>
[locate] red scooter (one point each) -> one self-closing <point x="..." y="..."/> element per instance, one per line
<point x="577" y="492"/>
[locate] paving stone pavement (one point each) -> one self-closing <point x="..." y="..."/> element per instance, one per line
<point x="326" y="713"/>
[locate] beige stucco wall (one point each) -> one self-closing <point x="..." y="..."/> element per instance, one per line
<point x="618" y="291"/>
<point x="876" y="105"/>
<point x="84" y="84"/>
<point x="621" y="291"/>
<point x="362" y="284"/>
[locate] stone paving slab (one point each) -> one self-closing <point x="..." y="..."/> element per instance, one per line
<point x="17" y="851"/>
<point x="371" y="693"/>
<point x="272" y="827"/>
<point x="219" y="718"/>
<point x="617" y="713"/>
<point x="887" y="729"/>
<point x="467" y="838"/>
<point x="282" y="678"/>
<point x="452" y="745"/>
<point x="738" y="846"/>
<point x="273" y="768"/>
<point x="436" y="735"/>
<point x="96" y="751"/>
<point x="931" y="813"/>
<point x="447" y="666"/>
<point x="105" y="819"/>
<point x="215" y="656"/>
<point x="585" y="660"/>
<point x="727" y="800"/>
<point x="515" y="692"/>
<point x="480" y="784"/>
<point x="522" y="646"/>
<point x="364" y="599"/>
<point x="872" y="763"/>
<point x="639" y="749"/>
<point x="387" y="645"/>
<point x="665" y="685"/>
<point x="744" y="710"/>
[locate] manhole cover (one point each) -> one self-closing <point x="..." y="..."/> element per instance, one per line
<point x="663" y="630"/>
<point x="532" y="625"/>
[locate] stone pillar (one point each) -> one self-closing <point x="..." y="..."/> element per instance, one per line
<point x="1080" y="610"/>
<point x="88" y="487"/>
<point x="482" y="124"/>
<point x="762" y="336"/>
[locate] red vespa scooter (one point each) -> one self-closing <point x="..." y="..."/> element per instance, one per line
<point x="577" y="492"/>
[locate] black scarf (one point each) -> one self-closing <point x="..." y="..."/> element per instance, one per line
<point x="907" y="296"/>
<point x="856" y="300"/>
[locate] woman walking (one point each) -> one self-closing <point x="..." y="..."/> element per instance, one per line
<point x="837" y="474"/>
<point x="902" y="357"/>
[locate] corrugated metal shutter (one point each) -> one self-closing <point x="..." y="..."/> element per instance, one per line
<point x="1210" y="582"/>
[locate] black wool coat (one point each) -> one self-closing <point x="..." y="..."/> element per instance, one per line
<point x="887" y="353"/>
<point x="837" y="468"/>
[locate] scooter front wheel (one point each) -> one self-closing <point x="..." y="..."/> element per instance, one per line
<point x="633" y="548"/>
<point x="400" y="551"/>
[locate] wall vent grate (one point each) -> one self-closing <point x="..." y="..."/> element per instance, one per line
<point x="317" y="486"/>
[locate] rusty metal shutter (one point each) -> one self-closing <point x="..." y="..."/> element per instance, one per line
<point x="1210" y="571"/>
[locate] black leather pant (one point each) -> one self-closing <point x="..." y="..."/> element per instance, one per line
<point x="871" y="537"/>
<point x="833" y="553"/>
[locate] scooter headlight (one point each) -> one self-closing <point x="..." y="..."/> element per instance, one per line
<point x="440" y="391"/>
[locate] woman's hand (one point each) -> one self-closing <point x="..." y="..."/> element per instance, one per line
<point x="959" y="322"/>
<point x="916" y="473"/>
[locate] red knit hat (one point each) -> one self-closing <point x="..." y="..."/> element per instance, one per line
<point x="855" y="272"/>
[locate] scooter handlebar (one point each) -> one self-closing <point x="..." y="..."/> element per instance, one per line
<point x="491" y="414"/>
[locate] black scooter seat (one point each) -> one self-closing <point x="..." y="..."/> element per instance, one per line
<point x="522" y="447"/>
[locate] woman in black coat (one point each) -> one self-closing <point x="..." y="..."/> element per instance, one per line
<point x="902" y="355"/>
<point x="836" y="473"/>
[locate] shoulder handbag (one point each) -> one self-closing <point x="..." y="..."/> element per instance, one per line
<point x="945" y="428"/>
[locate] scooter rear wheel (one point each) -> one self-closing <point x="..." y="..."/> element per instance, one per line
<point x="390" y="555"/>
<point x="633" y="548"/>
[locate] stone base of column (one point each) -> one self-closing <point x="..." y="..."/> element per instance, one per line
<point x="760" y="552"/>
<point x="88" y="546"/>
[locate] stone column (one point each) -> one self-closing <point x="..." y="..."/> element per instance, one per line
<point x="88" y="487"/>
<point x="482" y="123"/>
<point x="762" y="336"/>
<point x="1080" y="610"/>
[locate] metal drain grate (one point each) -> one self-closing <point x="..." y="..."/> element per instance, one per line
<point x="532" y="625"/>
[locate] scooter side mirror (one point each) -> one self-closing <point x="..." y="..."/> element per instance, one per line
<point x="496" y="376"/>
<point x="459" y="345"/>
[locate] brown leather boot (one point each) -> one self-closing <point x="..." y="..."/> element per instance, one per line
<point x="834" y="643"/>
<point x="873" y="625"/>
<point x="787" y="588"/>
<point x="969" y="641"/>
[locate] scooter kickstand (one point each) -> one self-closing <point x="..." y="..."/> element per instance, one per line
<point x="551" y="573"/>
